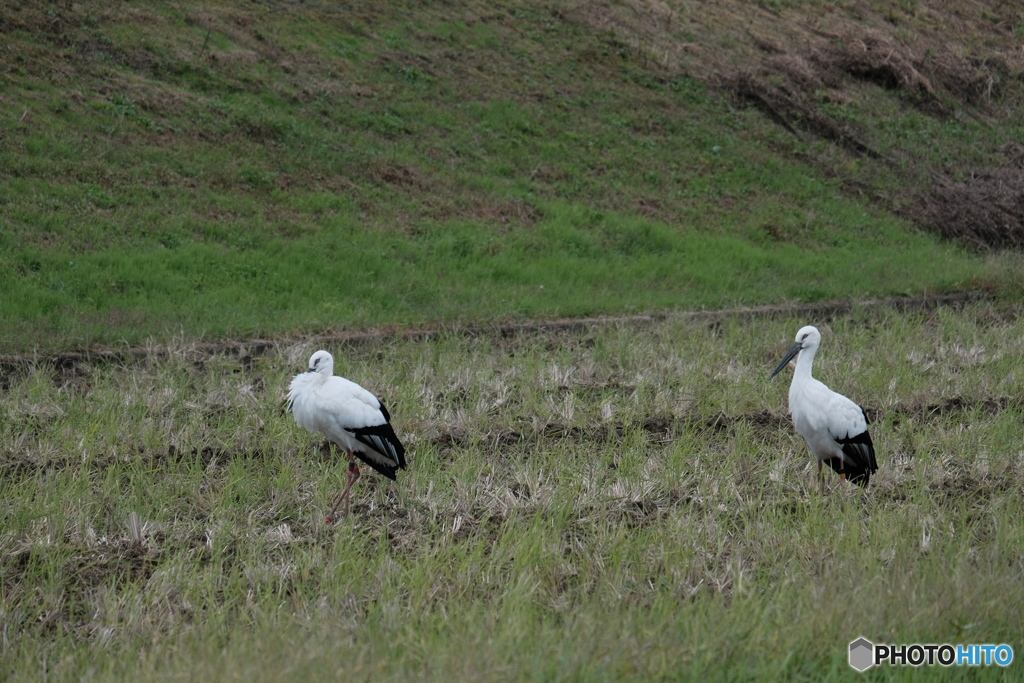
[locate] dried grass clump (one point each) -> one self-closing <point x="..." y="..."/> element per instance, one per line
<point x="878" y="58"/>
<point x="985" y="209"/>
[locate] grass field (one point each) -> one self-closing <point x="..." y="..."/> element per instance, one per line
<point x="198" y="195"/>
<point x="198" y="169"/>
<point x="621" y="500"/>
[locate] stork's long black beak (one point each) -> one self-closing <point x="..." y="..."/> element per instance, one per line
<point x="311" y="370"/>
<point x="793" y="350"/>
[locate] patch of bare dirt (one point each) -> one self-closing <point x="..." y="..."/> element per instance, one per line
<point x="397" y="175"/>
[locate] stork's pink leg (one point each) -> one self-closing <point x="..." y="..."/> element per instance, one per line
<point x="353" y="475"/>
<point x="821" y="478"/>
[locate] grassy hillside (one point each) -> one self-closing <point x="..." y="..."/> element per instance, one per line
<point x="610" y="503"/>
<point x="229" y="170"/>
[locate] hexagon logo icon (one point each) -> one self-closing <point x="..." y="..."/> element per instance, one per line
<point x="862" y="654"/>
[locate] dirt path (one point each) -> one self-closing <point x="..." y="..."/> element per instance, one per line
<point x="250" y="348"/>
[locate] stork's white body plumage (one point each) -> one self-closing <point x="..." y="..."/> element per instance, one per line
<point x="348" y="415"/>
<point x="834" y="427"/>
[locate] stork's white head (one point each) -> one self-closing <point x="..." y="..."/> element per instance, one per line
<point x="807" y="339"/>
<point x="321" y="362"/>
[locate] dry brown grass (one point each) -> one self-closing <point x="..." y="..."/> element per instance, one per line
<point x="787" y="58"/>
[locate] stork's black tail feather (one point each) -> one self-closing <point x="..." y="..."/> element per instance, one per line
<point x="858" y="475"/>
<point x="386" y="470"/>
<point x="858" y="458"/>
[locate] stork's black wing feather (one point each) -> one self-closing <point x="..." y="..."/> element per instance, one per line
<point x="386" y="453"/>
<point x="859" y="457"/>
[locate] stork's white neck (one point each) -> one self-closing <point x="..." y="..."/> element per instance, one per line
<point x="803" y="363"/>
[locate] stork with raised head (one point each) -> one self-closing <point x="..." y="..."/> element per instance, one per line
<point x="834" y="427"/>
<point x="348" y="415"/>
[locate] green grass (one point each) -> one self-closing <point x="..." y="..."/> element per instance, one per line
<point x="572" y="262"/>
<point x="213" y="171"/>
<point x="615" y="502"/>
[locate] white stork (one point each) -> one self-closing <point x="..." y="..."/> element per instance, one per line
<point x="834" y="427"/>
<point x="348" y="415"/>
